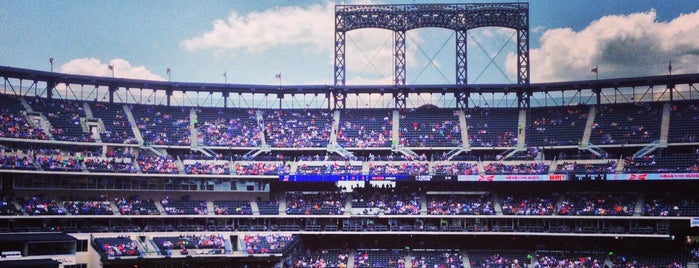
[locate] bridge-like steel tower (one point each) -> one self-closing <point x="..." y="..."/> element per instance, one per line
<point x="457" y="17"/>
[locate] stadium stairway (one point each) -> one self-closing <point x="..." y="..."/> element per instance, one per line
<point x="282" y="206"/>
<point x="496" y="204"/>
<point x="255" y="209"/>
<point x="134" y="126"/>
<point x="210" y="208"/>
<point x="464" y="130"/>
<point x="585" y="141"/>
<point x="350" y="258"/>
<point x="193" y="131"/>
<point x="522" y="129"/>
<point x="395" y="129"/>
<point x="665" y="124"/>
<point x="465" y="259"/>
<point x="159" y="207"/>
<point x="115" y="208"/>
<point x="639" y="204"/>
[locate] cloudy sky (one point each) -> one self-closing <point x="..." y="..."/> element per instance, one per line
<point x="251" y="41"/>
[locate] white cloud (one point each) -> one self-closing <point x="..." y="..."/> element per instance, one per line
<point x="622" y="45"/>
<point x="259" y="31"/>
<point x="122" y="69"/>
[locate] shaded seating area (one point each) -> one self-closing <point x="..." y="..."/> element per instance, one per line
<point x="315" y="203"/>
<point x="228" y="127"/>
<point x="118" y="246"/>
<point x="163" y="125"/>
<point x="294" y="128"/>
<point x="430" y="127"/>
<point x="556" y="126"/>
<point x="365" y="128"/>
<point x="232" y="207"/>
<point x="684" y="122"/>
<point x="598" y="204"/>
<point x="492" y="127"/>
<point x="14" y="121"/>
<point x="635" y="123"/>
<point x="379" y="258"/>
<point x="116" y="123"/>
<point x="460" y="204"/>
<point x="65" y="117"/>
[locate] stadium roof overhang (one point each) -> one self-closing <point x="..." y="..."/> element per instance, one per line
<point x="72" y="79"/>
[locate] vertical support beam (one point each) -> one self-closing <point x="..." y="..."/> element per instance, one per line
<point x="598" y="94"/>
<point x="112" y="89"/>
<point x="400" y="96"/>
<point x="50" y="86"/>
<point x="399" y="57"/>
<point x="523" y="56"/>
<point x="168" y="95"/>
<point x="523" y="97"/>
<point x="225" y="95"/>
<point x="339" y="99"/>
<point x="461" y="96"/>
<point x="339" y="55"/>
<point x="461" y="63"/>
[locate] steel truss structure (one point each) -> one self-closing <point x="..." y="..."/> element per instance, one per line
<point x="24" y="82"/>
<point x="457" y="17"/>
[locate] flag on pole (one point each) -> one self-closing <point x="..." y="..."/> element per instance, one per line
<point x="278" y="76"/>
<point x="224" y="74"/>
<point x="51" y="60"/>
<point x="110" y="67"/>
<point x="168" y="70"/>
<point x="669" y="67"/>
<point x="594" y="70"/>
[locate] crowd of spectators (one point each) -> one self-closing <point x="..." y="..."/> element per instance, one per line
<point x="365" y="129"/>
<point x="390" y="200"/>
<point x="430" y="128"/>
<point x="626" y="124"/>
<point x="321" y="259"/>
<point x="184" y="207"/>
<point x="96" y="207"/>
<point x="527" y="205"/>
<point x="232" y="208"/>
<point x="492" y="128"/>
<point x="440" y="259"/>
<point x="460" y="204"/>
<point x="157" y="164"/>
<point x="325" y="203"/>
<point x="553" y="260"/>
<point x="56" y="160"/>
<point x="298" y="128"/>
<point x="670" y="204"/>
<point x="117" y="125"/>
<point x="496" y="168"/>
<point x="233" y="128"/>
<point x="118" y="246"/>
<point x="17" y="159"/>
<point x="16" y="126"/>
<point x="556" y="126"/>
<point x="40" y="205"/>
<point x="379" y="258"/>
<point x="204" y="167"/>
<point x="163" y="125"/>
<point x="497" y="260"/>
<point x="585" y="167"/>
<point x="456" y="168"/>
<point x="261" y="168"/>
<point x="268" y="243"/>
<point x="65" y="117"/>
<point x="598" y="204"/>
<point x="683" y="122"/>
<point x="403" y="168"/>
<point x="133" y="205"/>
<point x="325" y="168"/>
<point x="103" y="164"/>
